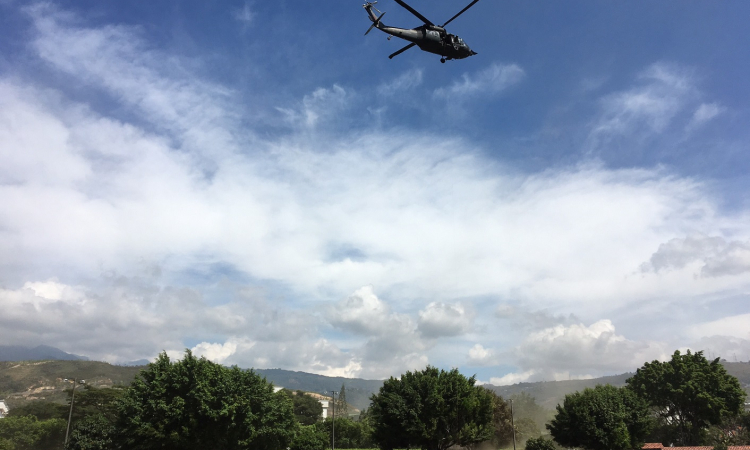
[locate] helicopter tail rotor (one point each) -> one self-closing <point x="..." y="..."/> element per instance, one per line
<point x="375" y="23"/>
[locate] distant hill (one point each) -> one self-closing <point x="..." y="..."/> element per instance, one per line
<point x="358" y="391"/>
<point x="44" y="380"/>
<point x="38" y="353"/>
<point x="549" y="393"/>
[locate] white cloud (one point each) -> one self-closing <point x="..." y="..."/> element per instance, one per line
<point x="404" y="82"/>
<point x="215" y="352"/>
<point x="645" y="109"/>
<point x="579" y="351"/>
<point x="704" y="113"/>
<point x="179" y="182"/>
<point x="482" y="357"/>
<point x="245" y="15"/>
<point x="442" y="319"/>
<point x="490" y="81"/>
<point x="323" y="104"/>
<point x="733" y="326"/>
<point x="715" y="255"/>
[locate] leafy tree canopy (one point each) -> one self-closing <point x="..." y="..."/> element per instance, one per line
<point x="349" y="433"/>
<point x="94" y="432"/>
<point x="603" y="418"/>
<point x="432" y="409"/>
<point x="196" y="404"/>
<point x="689" y="393"/>
<point x="540" y="444"/>
<point x="30" y="433"/>
<point x="307" y="409"/>
<point x="310" y="438"/>
<point x="501" y="422"/>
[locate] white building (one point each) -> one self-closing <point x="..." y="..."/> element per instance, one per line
<point x="3" y="409"/>
<point x="325" y="404"/>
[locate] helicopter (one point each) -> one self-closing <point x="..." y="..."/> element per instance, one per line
<point x="428" y="37"/>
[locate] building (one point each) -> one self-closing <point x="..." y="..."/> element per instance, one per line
<point x="3" y="409"/>
<point x="325" y="404"/>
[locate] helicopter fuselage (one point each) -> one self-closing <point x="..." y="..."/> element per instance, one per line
<point x="430" y="38"/>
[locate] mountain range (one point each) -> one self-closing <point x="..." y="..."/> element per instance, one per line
<point x="30" y="380"/>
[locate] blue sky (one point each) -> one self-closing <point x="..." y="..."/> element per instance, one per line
<point x="258" y="182"/>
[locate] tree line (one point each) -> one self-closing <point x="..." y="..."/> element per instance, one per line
<point x="193" y="403"/>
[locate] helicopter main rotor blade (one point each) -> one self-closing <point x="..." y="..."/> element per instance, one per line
<point x="402" y="50"/>
<point x="414" y="11"/>
<point x="461" y="12"/>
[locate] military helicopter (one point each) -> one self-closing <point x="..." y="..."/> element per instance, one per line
<point x="429" y="37"/>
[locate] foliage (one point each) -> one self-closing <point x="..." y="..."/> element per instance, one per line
<point x="349" y="433"/>
<point x="94" y="401"/>
<point x="30" y="433"/>
<point x="526" y="429"/>
<point x="526" y="407"/>
<point x="432" y="409"/>
<point x="540" y="443"/>
<point x="732" y="431"/>
<point x="40" y="409"/>
<point x="307" y="409"/>
<point x="342" y="409"/>
<point x="196" y="404"/>
<point x="501" y="421"/>
<point x="689" y="393"/>
<point x="310" y="438"/>
<point x="94" y="432"/>
<point x="603" y="418"/>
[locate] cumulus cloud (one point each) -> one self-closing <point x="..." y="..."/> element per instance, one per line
<point x="482" y="357"/>
<point x="714" y="255"/>
<point x="442" y="319"/>
<point x="727" y="333"/>
<point x="488" y="82"/>
<point x="215" y="352"/>
<point x="392" y="343"/>
<point x="578" y="351"/>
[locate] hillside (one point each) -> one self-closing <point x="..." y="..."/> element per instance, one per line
<point x="38" y="353"/>
<point x="43" y="380"/>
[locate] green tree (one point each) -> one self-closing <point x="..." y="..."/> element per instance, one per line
<point x="689" y="393"/>
<point x="310" y="438"/>
<point x="432" y="409"/>
<point x="342" y="409"/>
<point x="540" y="443"/>
<point x="30" y="433"/>
<point x="91" y="401"/>
<point x="501" y="422"/>
<point x="603" y="418"/>
<point x="526" y="407"/>
<point x="349" y="433"/>
<point x="94" y="432"/>
<point x="196" y="404"/>
<point x="40" y="409"/>
<point x="526" y="429"/>
<point x="307" y="409"/>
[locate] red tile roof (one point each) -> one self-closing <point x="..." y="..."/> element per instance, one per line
<point x="656" y="445"/>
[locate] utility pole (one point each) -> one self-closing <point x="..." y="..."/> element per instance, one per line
<point x="70" y="414"/>
<point x="333" y="420"/>
<point x="512" y="424"/>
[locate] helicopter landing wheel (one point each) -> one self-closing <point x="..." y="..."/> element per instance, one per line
<point x="442" y="60"/>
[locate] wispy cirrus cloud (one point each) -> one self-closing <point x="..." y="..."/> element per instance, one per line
<point x="488" y="82"/>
